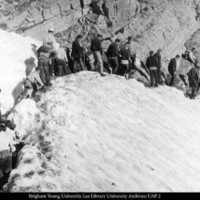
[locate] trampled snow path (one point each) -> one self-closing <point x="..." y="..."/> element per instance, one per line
<point x="107" y="134"/>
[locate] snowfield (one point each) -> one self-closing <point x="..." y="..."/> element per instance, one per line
<point x="108" y="134"/>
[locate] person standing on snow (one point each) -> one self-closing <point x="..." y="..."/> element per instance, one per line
<point x="50" y="40"/>
<point x="159" y="58"/>
<point x="62" y="62"/>
<point x="113" y="55"/>
<point x="125" y="60"/>
<point x="193" y="79"/>
<point x="152" y="65"/>
<point x="96" y="48"/>
<point x="78" y="55"/>
<point x="172" y="67"/>
<point x="44" y="53"/>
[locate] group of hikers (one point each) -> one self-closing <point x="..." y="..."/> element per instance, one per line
<point x="120" y="59"/>
<point x="56" y="60"/>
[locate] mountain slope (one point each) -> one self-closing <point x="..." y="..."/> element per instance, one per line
<point x="108" y="134"/>
<point x="17" y="59"/>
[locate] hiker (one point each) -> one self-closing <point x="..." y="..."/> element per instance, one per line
<point x="78" y="55"/>
<point x="50" y="40"/>
<point x="131" y="43"/>
<point x="62" y="62"/>
<point x="191" y="56"/>
<point x="43" y="63"/>
<point x="193" y="79"/>
<point x="137" y="62"/>
<point x="7" y="147"/>
<point x="96" y="48"/>
<point x="159" y="58"/>
<point x="172" y="67"/>
<point x="113" y="55"/>
<point x="32" y="83"/>
<point x="152" y="65"/>
<point x="124" y="68"/>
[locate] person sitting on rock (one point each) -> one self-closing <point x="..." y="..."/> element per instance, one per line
<point x="113" y="55"/>
<point x="172" y="67"/>
<point x="78" y="55"/>
<point x="193" y="79"/>
<point x="152" y="65"/>
<point x="32" y="83"/>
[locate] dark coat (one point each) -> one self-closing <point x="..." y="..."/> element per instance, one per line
<point x="172" y="65"/>
<point x="113" y="50"/>
<point x="77" y="50"/>
<point x="151" y="62"/>
<point x="126" y="54"/>
<point x="96" y="45"/>
<point x="193" y="76"/>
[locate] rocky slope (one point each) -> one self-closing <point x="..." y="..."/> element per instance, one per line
<point x="154" y="24"/>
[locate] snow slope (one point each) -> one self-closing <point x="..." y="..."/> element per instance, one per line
<point x="108" y="134"/>
<point x="17" y="58"/>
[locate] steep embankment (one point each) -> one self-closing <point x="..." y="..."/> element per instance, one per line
<point x="108" y="134"/>
<point x="17" y="59"/>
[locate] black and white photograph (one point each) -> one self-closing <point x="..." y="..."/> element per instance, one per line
<point x="99" y="99"/>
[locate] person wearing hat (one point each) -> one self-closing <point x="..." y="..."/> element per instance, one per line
<point x="50" y="40"/>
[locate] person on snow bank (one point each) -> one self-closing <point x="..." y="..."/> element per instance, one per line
<point x="7" y="147"/>
<point x="193" y="79"/>
<point x="96" y="48"/>
<point x="50" y="41"/>
<point x="113" y="55"/>
<point x="152" y="65"/>
<point x="44" y="53"/>
<point x="172" y="67"/>
<point x="32" y="83"/>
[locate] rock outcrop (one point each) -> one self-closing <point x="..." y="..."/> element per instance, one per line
<point x="154" y="24"/>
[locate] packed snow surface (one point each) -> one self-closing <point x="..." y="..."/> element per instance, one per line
<point x="108" y="134"/>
